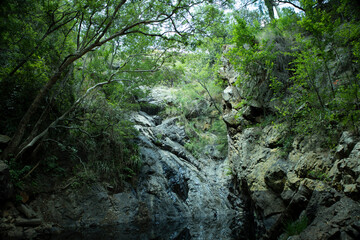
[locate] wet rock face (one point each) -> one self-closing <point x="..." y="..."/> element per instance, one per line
<point x="308" y="181"/>
<point x="177" y="182"/>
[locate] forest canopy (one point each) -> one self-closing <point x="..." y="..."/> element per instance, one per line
<point x="72" y="70"/>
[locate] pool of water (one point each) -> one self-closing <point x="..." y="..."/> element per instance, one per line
<point x="185" y="230"/>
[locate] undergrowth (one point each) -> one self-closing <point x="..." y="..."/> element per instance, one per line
<point x="201" y="119"/>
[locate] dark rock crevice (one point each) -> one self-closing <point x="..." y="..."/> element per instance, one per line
<point x="177" y="182"/>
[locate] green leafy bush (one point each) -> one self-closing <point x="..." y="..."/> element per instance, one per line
<point x="17" y="172"/>
<point x="318" y="175"/>
<point x="197" y="104"/>
<point x="309" y="61"/>
<point x="296" y="227"/>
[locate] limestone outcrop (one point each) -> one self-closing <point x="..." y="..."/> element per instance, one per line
<point x="285" y="179"/>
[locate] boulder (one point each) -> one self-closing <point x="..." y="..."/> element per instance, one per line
<point x="280" y="184"/>
<point x="331" y="220"/>
<point x="149" y="108"/>
<point x="228" y="94"/>
<point x="143" y="119"/>
<point x="346" y="144"/>
<point x="27" y="211"/>
<point x="212" y="152"/>
<point x="169" y="128"/>
<point x="232" y="118"/>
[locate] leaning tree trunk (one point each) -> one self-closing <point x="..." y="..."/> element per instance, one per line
<point x="20" y="131"/>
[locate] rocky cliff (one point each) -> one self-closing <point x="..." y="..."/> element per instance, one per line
<point x="173" y="189"/>
<point x="293" y="181"/>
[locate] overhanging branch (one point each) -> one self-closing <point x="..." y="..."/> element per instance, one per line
<point x="291" y="3"/>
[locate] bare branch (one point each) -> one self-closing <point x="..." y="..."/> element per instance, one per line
<point x="291" y="3"/>
<point x="111" y="20"/>
<point x="79" y="129"/>
<point x="211" y="98"/>
<point x="84" y="43"/>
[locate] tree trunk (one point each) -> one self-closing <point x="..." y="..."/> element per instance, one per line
<point x="36" y="138"/>
<point x="270" y="6"/>
<point x="20" y="131"/>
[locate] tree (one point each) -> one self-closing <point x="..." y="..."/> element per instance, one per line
<point x="272" y="5"/>
<point x="309" y="60"/>
<point x="85" y="27"/>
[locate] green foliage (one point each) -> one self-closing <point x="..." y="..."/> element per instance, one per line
<point x="17" y="172"/>
<point x="318" y="175"/>
<point x="105" y="145"/>
<point x="229" y="171"/>
<point x="195" y="146"/>
<point x="158" y="138"/>
<point x="53" y="52"/>
<point x="310" y="61"/>
<point x="252" y="56"/>
<point x="18" y="198"/>
<point x="198" y="99"/>
<point x="30" y="49"/>
<point x="172" y="72"/>
<point x="219" y="128"/>
<point x="202" y="133"/>
<point x="201" y="136"/>
<point x="296" y="227"/>
<point x="286" y="144"/>
<point x="241" y="104"/>
<point x="51" y="165"/>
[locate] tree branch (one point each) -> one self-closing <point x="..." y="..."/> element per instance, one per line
<point x="55" y="122"/>
<point x="294" y="5"/>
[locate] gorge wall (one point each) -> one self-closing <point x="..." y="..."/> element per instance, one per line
<point x="173" y="190"/>
<point x="268" y="188"/>
<point x="310" y="183"/>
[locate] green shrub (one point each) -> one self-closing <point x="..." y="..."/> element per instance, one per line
<point x="17" y="172"/>
<point x="296" y="227"/>
<point x="296" y="56"/>
<point x="318" y="175"/>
